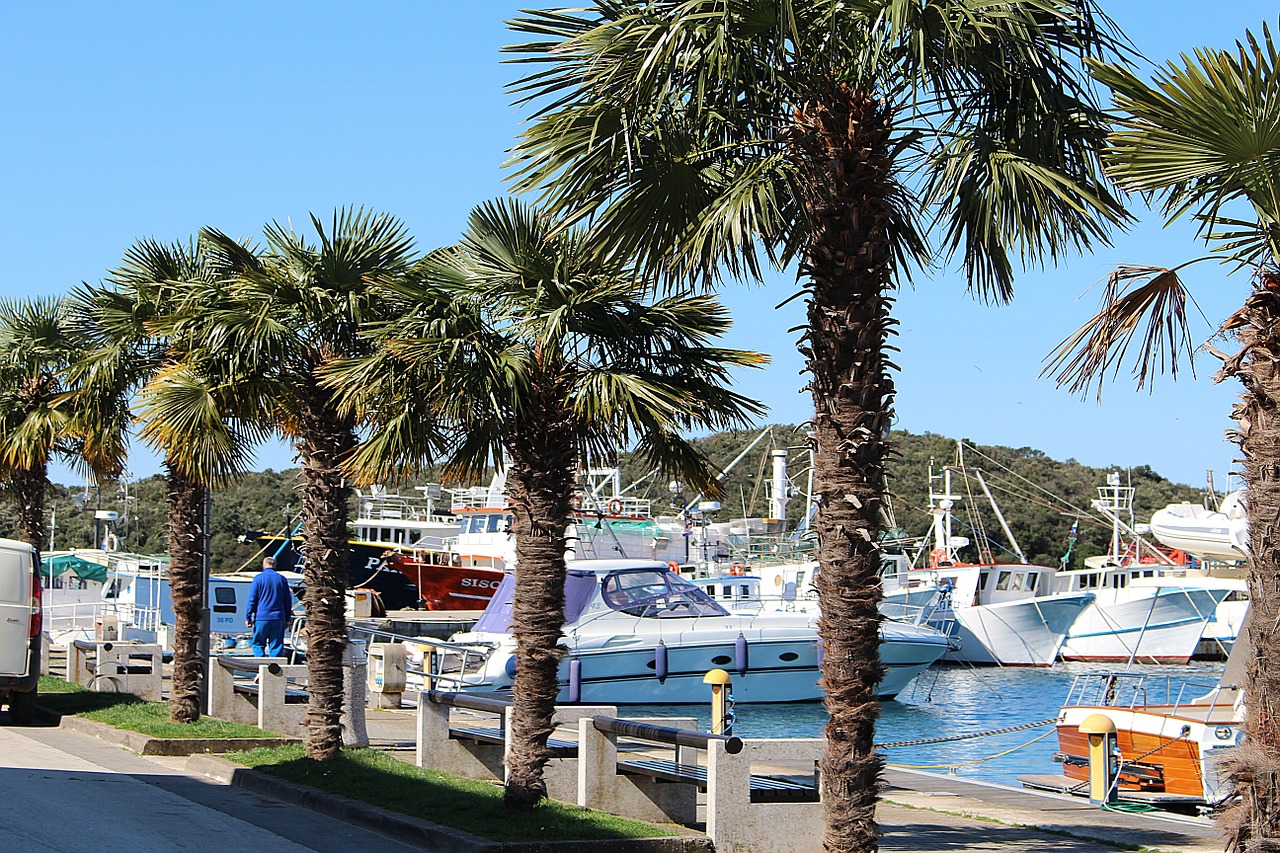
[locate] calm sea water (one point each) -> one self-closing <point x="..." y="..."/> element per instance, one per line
<point x="956" y="700"/>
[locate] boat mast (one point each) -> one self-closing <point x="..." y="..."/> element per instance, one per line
<point x="1004" y="525"/>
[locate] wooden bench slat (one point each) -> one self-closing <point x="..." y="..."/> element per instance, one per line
<point x="763" y="788"/>
<point x="496" y="736"/>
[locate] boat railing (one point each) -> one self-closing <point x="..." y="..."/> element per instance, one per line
<point x="476" y="497"/>
<point x="84" y="614"/>
<point x="443" y="663"/>
<point x="1141" y="690"/>
<point x="396" y="508"/>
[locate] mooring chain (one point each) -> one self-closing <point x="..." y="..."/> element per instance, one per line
<point x="951" y="738"/>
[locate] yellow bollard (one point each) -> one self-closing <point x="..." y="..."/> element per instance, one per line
<point x="1102" y="734"/>
<point x="721" y="701"/>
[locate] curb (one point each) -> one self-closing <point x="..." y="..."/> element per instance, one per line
<point x="147" y="745"/>
<point x="420" y="833"/>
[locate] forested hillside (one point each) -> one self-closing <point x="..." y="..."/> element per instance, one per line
<point x="1036" y="494"/>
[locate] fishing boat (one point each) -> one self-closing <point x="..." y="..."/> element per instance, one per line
<point x="1171" y="745"/>
<point x="638" y="633"/>
<point x="1002" y="614"/>
<point x="1149" y="605"/>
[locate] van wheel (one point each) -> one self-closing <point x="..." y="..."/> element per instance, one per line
<point x="22" y="708"/>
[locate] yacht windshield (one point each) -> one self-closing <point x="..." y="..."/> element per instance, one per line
<point x="656" y="594"/>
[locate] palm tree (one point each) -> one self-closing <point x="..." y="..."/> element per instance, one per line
<point x="123" y="353"/>
<point x="857" y="138"/>
<point x="260" y="334"/>
<point x="38" y="418"/>
<point x="1203" y="138"/>
<point x="542" y="357"/>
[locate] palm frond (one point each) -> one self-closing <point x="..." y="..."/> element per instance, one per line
<point x="1153" y="314"/>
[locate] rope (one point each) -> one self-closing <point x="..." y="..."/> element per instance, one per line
<point x="952" y="738"/>
<point x="975" y="761"/>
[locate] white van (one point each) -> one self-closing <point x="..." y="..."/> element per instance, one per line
<point x="21" y="616"/>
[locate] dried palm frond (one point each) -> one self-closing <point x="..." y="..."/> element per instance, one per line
<point x="1155" y="310"/>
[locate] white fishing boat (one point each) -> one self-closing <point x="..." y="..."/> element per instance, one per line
<point x="1216" y="535"/>
<point x="638" y="633"/>
<point x="1146" y="608"/>
<point x="1003" y="614"/>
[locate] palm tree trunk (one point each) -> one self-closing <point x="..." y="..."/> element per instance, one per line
<point x="185" y="500"/>
<point x="29" y="491"/>
<point x="1254" y="823"/>
<point x="539" y="490"/>
<point x="327" y="439"/>
<point x="850" y="266"/>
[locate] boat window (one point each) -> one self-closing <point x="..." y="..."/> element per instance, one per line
<point x="1150" y="573"/>
<point x="224" y="595"/>
<point x="726" y="591"/>
<point x="1122" y="581"/>
<point x="799" y="579"/>
<point x="1003" y="582"/>
<point x="495" y="524"/>
<point x="982" y="580"/>
<point x="1033" y="580"/>
<point x="656" y="593"/>
<point x="399" y="536"/>
<point x="744" y="591"/>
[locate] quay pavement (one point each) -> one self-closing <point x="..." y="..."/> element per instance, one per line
<point x="66" y="791"/>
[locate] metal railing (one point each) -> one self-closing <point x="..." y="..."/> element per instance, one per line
<point x="1134" y="691"/>
<point x="444" y="662"/>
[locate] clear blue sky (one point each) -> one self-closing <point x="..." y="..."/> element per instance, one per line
<point x="153" y="119"/>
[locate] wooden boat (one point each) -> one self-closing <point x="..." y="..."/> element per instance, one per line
<point x="1171" y="743"/>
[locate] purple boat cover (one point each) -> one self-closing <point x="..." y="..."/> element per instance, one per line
<point x="578" y="589"/>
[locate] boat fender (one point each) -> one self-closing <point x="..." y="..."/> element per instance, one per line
<point x="510" y="668"/>
<point x="575" y="679"/>
<point x="740" y="656"/>
<point x="660" y="662"/>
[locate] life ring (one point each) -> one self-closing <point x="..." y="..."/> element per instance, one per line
<point x="673" y="566"/>
<point x="937" y="557"/>
<point x="615" y="507"/>
<point x="576" y="502"/>
<point x="735" y="569"/>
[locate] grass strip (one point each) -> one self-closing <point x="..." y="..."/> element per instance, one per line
<point x="372" y="776"/>
<point x="125" y="711"/>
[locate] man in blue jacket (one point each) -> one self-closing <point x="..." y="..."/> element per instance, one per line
<point x="270" y="605"/>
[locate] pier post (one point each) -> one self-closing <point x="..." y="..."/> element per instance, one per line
<point x="1102" y="770"/>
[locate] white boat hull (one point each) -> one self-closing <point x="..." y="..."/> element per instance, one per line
<point x="1160" y="625"/>
<point x="1028" y="632"/>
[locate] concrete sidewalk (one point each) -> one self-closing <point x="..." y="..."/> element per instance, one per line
<point x="67" y="792"/>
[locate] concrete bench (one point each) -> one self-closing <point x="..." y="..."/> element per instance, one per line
<point x="113" y="666"/>
<point x="262" y="692"/>
<point x="743" y="815"/>
<point x="745" y="811"/>
<point x="478" y="750"/>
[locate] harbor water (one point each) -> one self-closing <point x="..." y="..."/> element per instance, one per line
<point x="954" y="700"/>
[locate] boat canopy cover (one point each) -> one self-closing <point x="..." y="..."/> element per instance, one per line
<point x="579" y="586"/>
<point x="53" y="566"/>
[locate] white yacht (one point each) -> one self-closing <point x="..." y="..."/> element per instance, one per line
<point x="638" y="633"/>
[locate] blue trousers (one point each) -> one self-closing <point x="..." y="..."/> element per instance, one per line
<point x="268" y="638"/>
